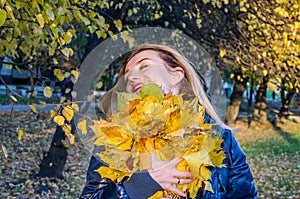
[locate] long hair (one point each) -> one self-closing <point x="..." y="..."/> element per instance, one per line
<point x="173" y="59"/>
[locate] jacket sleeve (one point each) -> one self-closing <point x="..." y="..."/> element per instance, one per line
<point x="240" y="181"/>
<point x="140" y="185"/>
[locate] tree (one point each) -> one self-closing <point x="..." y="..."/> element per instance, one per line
<point x="44" y="30"/>
<point x="254" y="40"/>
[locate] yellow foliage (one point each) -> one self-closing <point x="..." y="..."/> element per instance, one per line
<point x="168" y="127"/>
<point x="222" y="53"/>
<point x="40" y="20"/>
<point x="53" y="113"/>
<point x="20" y="133"/>
<point x="13" y="98"/>
<point x="75" y="107"/>
<point x="156" y="16"/>
<point x="59" y="74"/>
<point x="3" y="16"/>
<point x="47" y="92"/>
<point x="82" y="126"/>
<point x="4" y="150"/>
<point x="112" y="174"/>
<point x="68" y="112"/>
<point x="75" y="73"/>
<point x="59" y="120"/>
<point x="33" y="108"/>
<point x="118" y="24"/>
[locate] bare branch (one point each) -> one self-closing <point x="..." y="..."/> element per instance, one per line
<point x="8" y="88"/>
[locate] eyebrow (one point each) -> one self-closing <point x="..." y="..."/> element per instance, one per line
<point x="143" y="60"/>
<point x="140" y="62"/>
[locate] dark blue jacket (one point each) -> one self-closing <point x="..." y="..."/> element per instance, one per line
<point x="233" y="181"/>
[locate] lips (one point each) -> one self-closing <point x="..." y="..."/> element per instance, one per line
<point x="137" y="87"/>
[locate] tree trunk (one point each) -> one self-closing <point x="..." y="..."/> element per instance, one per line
<point x="250" y="99"/>
<point x="235" y="102"/>
<point x="285" y="104"/>
<point x="55" y="159"/>
<point x="298" y="101"/>
<point x="260" y="107"/>
<point x="31" y="87"/>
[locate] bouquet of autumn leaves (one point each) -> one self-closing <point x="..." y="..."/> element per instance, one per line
<point x="166" y="126"/>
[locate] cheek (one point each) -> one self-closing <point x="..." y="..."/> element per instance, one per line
<point x="128" y="88"/>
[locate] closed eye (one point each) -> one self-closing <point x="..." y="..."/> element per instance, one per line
<point x="143" y="67"/>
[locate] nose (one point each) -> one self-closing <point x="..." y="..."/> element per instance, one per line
<point x="133" y="76"/>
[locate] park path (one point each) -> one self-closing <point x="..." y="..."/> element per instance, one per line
<point x="19" y="107"/>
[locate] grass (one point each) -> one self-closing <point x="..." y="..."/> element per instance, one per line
<point x="7" y="100"/>
<point x="274" y="159"/>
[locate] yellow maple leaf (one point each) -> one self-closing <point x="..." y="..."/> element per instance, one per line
<point x="114" y="175"/>
<point x="113" y="133"/>
<point x="119" y="138"/>
<point x="205" y="173"/>
<point x="217" y="155"/>
<point x="117" y="159"/>
<point x="208" y="186"/>
<point x="209" y="143"/>
<point x="195" y="160"/>
<point x="96" y="127"/>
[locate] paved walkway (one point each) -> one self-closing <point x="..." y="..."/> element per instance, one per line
<point x="24" y="107"/>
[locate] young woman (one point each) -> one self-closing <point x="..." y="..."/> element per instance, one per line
<point x="172" y="71"/>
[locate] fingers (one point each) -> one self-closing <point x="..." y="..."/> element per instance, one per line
<point x="176" y="191"/>
<point x="166" y="175"/>
<point x="182" y="174"/>
<point x="175" y="161"/>
<point x="183" y="181"/>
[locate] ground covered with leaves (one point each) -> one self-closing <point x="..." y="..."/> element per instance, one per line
<point x="24" y="156"/>
<point x="273" y="152"/>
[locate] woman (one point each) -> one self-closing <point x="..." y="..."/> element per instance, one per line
<point x="169" y="69"/>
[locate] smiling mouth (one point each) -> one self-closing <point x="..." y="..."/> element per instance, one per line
<point x="137" y="88"/>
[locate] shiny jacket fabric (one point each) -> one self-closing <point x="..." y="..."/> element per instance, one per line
<point x="233" y="181"/>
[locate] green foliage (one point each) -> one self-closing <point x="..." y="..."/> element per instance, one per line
<point x="31" y="26"/>
<point x="6" y="100"/>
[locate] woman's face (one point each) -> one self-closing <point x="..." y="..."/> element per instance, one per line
<point x="144" y="67"/>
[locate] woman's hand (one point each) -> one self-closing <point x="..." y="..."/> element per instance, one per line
<point x="166" y="174"/>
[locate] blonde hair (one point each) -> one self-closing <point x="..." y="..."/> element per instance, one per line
<point x="173" y="58"/>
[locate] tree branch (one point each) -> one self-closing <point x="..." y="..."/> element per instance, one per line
<point x="8" y="88"/>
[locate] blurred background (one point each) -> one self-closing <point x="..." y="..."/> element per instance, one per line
<point x="254" y="46"/>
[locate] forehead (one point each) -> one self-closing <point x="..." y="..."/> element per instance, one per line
<point x="148" y="54"/>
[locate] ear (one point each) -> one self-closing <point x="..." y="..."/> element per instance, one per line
<point x="177" y="75"/>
